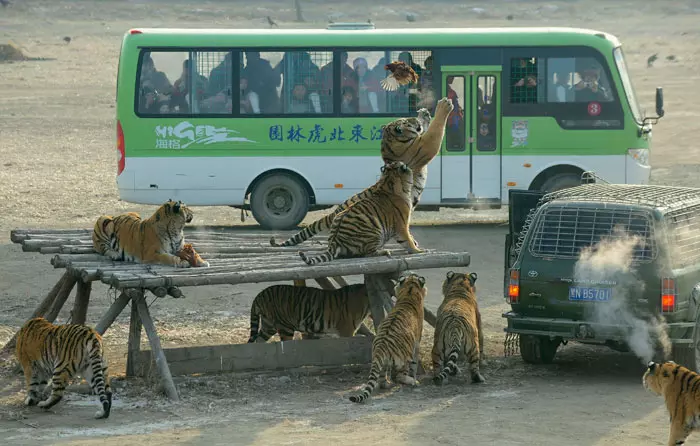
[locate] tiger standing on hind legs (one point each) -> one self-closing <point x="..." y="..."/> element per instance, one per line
<point x="364" y="228"/>
<point x="56" y="354"/>
<point x="415" y="141"/>
<point x="458" y="329"/>
<point x="680" y="388"/>
<point x="397" y="343"/>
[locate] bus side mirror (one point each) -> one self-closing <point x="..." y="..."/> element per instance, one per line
<point x="659" y="102"/>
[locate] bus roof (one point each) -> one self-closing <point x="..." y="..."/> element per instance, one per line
<point x="399" y="37"/>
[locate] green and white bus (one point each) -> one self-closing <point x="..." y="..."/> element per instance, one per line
<point x="534" y="108"/>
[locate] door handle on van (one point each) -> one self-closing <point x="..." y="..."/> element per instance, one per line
<point x="533" y="294"/>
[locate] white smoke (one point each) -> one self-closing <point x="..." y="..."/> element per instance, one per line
<point x="609" y="262"/>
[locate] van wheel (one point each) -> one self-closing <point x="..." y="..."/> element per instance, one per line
<point x="561" y="181"/>
<point x="538" y="349"/>
<point x="279" y="201"/>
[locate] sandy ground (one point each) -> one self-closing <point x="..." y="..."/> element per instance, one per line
<point x="57" y="165"/>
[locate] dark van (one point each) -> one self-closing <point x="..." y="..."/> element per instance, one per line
<point x="609" y="264"/>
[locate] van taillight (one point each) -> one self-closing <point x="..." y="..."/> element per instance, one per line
<point x="121" y="161"/>
<point x="668" y="295"/>
<point x="514" y="286"/>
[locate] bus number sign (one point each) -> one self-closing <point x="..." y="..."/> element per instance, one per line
<point x="594" y="108"/>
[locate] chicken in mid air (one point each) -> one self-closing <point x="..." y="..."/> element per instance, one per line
<point x="400" y="74"/>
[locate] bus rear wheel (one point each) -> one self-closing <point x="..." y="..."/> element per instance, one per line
<point x="279" y="201"/>
<point x="561" y="181"/>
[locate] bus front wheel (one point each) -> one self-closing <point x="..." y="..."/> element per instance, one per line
<point x="279" y="201"/>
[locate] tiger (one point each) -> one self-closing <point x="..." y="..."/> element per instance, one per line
<point x="311" y="311"/>
<point x="157" y="239"/>
<point x="364" y="228"/>
<point x="188" y="253"/>
<point x="680" y="387"/>
<point x="396" y="344"/>
<point x="416" y="141"/>
<point x="55" y="354"/>
<point x="458" y="328"/>
<point x="404" y="139"/>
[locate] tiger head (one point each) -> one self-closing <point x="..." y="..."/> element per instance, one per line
<point x="459" y="279"/>
<point x="173" y="212"/>
<point x="657" y="376"/>
<point x="397" y="178"/>
<point x="409" y="286"/>
<point x="398" y="137"/>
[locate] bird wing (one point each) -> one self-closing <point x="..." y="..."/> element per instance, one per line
<point x="389" y="83"/>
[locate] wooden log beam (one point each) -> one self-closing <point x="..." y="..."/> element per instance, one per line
<point x="429" y="317"/>
<point x="376" y="294"/>
<point x="40" y="310"/>
<point x="132" y="356"/>
<point x="175" y="292"/>
<point x="82" y="300"/>
<point x="61" y="298"/>
<point x="156" y="349"/>
<point x="371" y="265"/>
<point x="112" y="313"/>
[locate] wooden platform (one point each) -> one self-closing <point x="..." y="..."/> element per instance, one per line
<point x="235" y="256"/>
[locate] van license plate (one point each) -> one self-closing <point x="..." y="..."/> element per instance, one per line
<point x="582" y="293"/>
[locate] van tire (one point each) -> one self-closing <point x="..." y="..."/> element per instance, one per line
<point x="279" y="201"/>
<point x="561" y="181"/>
<point x="538" y="349"/>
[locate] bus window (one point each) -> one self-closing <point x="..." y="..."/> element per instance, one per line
<point x="455" y="130"/>
<point x="211" y="82"/>
<point x="157" y="70"/>
<point x="304" y="90"/>
<point x="525" y="85"/>
<point x="579" y="79"/>
<point x="486" y="117"/>
<point x="361" y="92"/>
<point x="260" y="82"/>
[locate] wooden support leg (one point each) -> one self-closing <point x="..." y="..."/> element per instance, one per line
<point x="82" y="300"/>
<point x="340" y="280"/>
<point x="112" y="313"/>
<point x="134" y="340"/>
<point x="325" y="283"/>
<point x="379" y="291"/>
<point x="300" y="282"/>
<point x="429" y="317"/>
<point x="61" y="298"/>
<point x="40" y="310"/>
<point x="156" y="349"/>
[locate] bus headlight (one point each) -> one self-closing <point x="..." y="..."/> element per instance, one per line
<point x="639" y="155"/>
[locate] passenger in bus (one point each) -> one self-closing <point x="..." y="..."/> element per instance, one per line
<point x="263" y="80"/>
<point x="560" y="90"/>
<point x="250" y="101"/>
<point x="411" y="90"/>
<point x="427" y="96"/>
<point x="524" y="78"/>
<point x="348" y="104"/>
<point x="180" y="100"/>
<point x="220" y="81"/>
<point x="380" y="73"/>
<point x="297" y="67"/>
<point x="348" y="78"/>
<point x="150" y="101"/>
<point x="300" y="102"/>
<point x="368" y="86"/>
<point x="158" y="80"/>
<point x="455" y="134"/>
<point x="589" y="89"/>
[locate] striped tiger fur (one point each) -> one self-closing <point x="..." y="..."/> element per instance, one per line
<point x="396" y="345"/>
<point x="285" y="309"/>
<point x="680" y="388"/>
<point x="56" y="354"/>
<point x="365" y="227"/>
<point x="458" y="328"/>
<point x="157" y="239"/>
<point x="416" y="141"/>
<point x="404" y="139"/>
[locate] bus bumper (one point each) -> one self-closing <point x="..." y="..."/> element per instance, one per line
<point x="636" y="172"/>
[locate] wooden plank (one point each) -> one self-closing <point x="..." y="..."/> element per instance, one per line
<point x="134" y="344"/>
<point x="112" y="313"/>
<point x="264" y="356"/>
<point x="158" y="355"/>
<point x="61" y="298"/>
<point x="82" y="300"/>
<point x="340" y="280"/>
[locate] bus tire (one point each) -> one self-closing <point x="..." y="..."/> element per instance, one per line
<point x="561" y="181"/>
<point x="279" y="201"/>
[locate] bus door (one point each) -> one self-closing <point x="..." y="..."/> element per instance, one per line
<point x="471" y="151"/>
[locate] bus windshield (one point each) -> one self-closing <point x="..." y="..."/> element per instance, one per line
<point x="627" y="84"/>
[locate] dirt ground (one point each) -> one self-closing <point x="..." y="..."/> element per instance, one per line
<point x="58" y="163"/>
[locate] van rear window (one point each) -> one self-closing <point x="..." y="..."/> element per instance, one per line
<point x="563" y="231"/>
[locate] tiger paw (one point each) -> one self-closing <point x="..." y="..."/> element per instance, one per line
<point x="30" y="401"/>
<point x="415" y="251"/>
<point x="182" y="264"/>
<point x="444" y="106"/>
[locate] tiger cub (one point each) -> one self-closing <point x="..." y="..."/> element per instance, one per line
<point x="55" y="354"/>
<point x="188" y="253"/>
<point x="311" y="311"/>
<point x="396" y="345"/>
<point x="364" y="228"/>
<point x="458" y="328"/>
<point x="157" y="239"/>
<point x="680" y="388"/>
<point x="407" y="140"/>
<point x="404" y="139"/>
